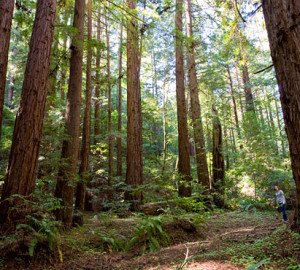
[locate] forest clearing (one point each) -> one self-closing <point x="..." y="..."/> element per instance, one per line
<point x="228" y="240"/>
<point x="149" y="134"/>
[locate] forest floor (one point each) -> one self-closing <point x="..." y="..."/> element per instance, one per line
<point x="232" y="240"/>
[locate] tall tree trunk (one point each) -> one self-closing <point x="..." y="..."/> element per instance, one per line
<point x="233" y="144"/>
<point x="165" y="98"/>
<point x="233" y="101"/>
<point x="283" y="26"/>
<point x="6" y="14"/>
<point x="119" y="139"/>
<point x="11" y="88"/>
<point x="184" y="167"/>
<point x="202" y="169"/>
<point x="279" y="127"/>
<point x="63" y="73"/>
<point x="66" y="174"/>
<point x="218" y="161"/>
<point x="22" y="163"/>
<point x="110" y="138"/>
<point x="134" y="171"/>
<point x="239" y="90"/>
<point x="97" y="90"/>
<point x="86" y="131"/>
<point x="247" y="89"/>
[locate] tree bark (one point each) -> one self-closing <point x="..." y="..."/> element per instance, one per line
<point x="63" y="73"/>
<point x="22" y="164"/>
<point x="165" y="98"/>
<point x="218" y="161"/>
<point x="86" y="131"/>
<point x="279" y="127"/>
<point x="283" y="27"/>
<point x="97" y="90"/>
<point x="184" y="167"/>
<point x="134" y="171"/>
<point x="236" y="118"/>
<point x="202" y="169"/>
<point x="110" y="138"/>
<point x="119" y="139"/>
<point x="66" y="174"/>
<point x="6" y="14"/>
<point x="247" y="89"/>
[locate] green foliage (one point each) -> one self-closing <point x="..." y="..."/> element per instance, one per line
<point x="254" y="204"/>
<point x="41" y="230"/>
<point x="190" y="204"/>
<point x="257" y="265"/>
<point x="150" y="233"/>
<point x="109" y="241"/>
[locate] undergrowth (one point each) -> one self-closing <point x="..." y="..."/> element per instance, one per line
<point x="280" y="251"/>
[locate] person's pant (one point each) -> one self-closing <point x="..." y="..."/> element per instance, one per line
<point x="282" y="210"/>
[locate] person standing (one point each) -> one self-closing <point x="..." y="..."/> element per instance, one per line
<point x="280" y="200"/>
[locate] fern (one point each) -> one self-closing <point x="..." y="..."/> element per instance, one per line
<point x="150" y="233"/>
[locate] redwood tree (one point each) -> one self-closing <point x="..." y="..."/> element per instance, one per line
<point x="6" y="13"/>
<point x="218" y="161"/>
<point x="86" y="130"/>
<point x="283" y="26"/>
<point x="97" y="78"/>
<point x="202" y="169"/>
<point x="184" y="167"/>
<point x="22" y="164"/>
<point x="66" y="174"/>
<point x="119" y="139"/>
<point x="134" y="171"/>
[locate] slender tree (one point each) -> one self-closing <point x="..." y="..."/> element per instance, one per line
<point x="184" y="167"/>
<point x="247" y="88"/>
<point x="66" y="174"/>
<point x="119" y="139"/>
<point x="283" y="27"/>
<point x="236" y="118"/>
<point x="109" y="109"/>
<point x="134" y="171"/>
<point x="22" y="164"/>
<point x="97" y="90"/>
<point x="6" y="14"/>
<point x="202" y="169"/>
<point x="86" y="130"/>
<point x="218" y="161"/>
<point x="279" y="127"/>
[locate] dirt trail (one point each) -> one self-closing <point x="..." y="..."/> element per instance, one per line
<point x="221" y="230"/>
<point x="200" y="249"/>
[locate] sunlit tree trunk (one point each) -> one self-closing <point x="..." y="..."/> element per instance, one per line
<point x="110" y="138"/>
<point x="10" y="90"/>
<point x="202" y="169"/>
<point x="236" y="118"/>
<point x="165" y="98"/>
<point x="119" y="139"/>
<point x="6" y="14"/>
<point x="11" y="86"/>
<point x="184" y="167"/>
<point x="247" y="89"/>
<point x="239" y="90"/>
<point x="134" y="171"/>
<point x="63" y="73"/>
<point x="283" y="26"/>
<point x="22" y="163"/>
<point x="279" y="127"/>
<point x="67" y="170"/>
<point x="86" y="131"/>
<point x="97" y="90"/>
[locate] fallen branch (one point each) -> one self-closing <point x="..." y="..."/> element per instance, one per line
<point x="262" y="70"/>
